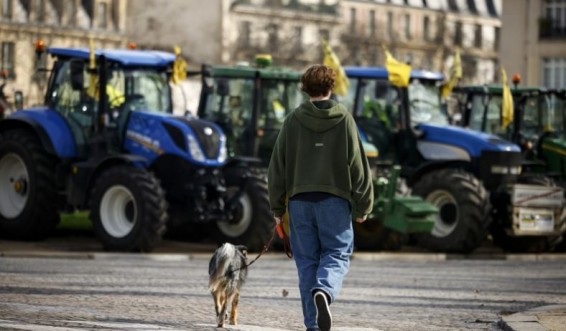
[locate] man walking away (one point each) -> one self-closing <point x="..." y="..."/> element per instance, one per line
<point x="319" y="164"/>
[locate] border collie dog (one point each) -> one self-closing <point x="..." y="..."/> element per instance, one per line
<point x="227" y="272"/>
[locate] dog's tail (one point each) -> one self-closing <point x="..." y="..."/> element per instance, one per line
<point x="221" y="265"/>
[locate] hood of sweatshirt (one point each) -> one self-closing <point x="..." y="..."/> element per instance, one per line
<point x="320" y="120"/>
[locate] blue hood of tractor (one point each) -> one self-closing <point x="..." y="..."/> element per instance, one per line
<point x="473" y="142"/>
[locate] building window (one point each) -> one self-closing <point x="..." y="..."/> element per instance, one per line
<point x="426" y="28"/>
<point x="478" y="36"/>
<point x="408" y="26"/>
<point x="324" y="34"/>
<point x="102" y="13"/>
<point x="555" y="15"/>
<point x="371" y="23"/>
<point x="497" y="38"/>
<point x="390" y="25"/>
<point x="353" y="20"/>
<point x="298" y="39"/>
<point x="8" y="58"/>
<point x="272" y="37"/>
<point x="41" y="10"/>
<point x="458" y="34"/>
<point x="245" y="32"/>
<point x="554" y="72"/>
<point x="7" y="9"/>
<point x="72" y="8"/>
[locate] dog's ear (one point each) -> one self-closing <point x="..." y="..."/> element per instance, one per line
<point x="243" y="249"/>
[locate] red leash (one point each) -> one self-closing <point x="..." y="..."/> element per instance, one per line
<point x="286" y="244"/>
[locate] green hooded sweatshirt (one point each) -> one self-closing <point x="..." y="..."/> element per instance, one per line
<point x="318" y="150"/>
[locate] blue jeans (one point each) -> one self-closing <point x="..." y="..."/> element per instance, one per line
<point x="322" y="241"/>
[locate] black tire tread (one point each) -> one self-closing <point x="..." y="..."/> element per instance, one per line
<point x="41" y="216"/>
<point x="474" y="207"/>
<point x="154" y="209"/>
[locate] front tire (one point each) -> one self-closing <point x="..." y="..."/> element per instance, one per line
<point x="28" y="197"/>
<point x="463" y="218"/>
<point x="128" y="210"/>
<point x="253" y="224"/>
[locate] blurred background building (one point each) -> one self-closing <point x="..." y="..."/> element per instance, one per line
<point x="423" y="32"/>
<point x="59" y="23"/>
<point x="533" y="41"/>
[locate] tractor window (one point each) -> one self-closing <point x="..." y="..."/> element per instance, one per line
<point x="146" y="90"/>
<point x="229" y="103"/>
<point x="476" y="105"/>
<point x="69" y="95"/>
<point x="424" y="102"/>
<point x="556" y="118"/>
<point x="532" y="115"/>
<point x="278" y="99"/>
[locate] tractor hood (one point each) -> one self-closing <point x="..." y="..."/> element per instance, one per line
<point x="473" y="142"/>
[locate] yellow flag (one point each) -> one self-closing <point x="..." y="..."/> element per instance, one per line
<point x="179" y="67"/>
<point x="455" y="75"/>
<point x="507" y="102"/>
<point x="330" y="59"/>
<point x="92" y="90"/>
<point x="399" y="73"/>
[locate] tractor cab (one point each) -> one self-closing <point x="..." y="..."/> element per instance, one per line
<point x="250" y="105"/>
<point x="538" y="126"/>
<point x="133" y="82"/>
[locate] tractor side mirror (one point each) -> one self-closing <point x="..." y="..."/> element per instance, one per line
<point x="77" y="75"/>
<point x="18" y="100"/>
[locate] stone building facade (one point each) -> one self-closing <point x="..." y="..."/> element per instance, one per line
<point x="533" y="41"/>
<point x="58" y="23"/>
<point x="423" y="32"/>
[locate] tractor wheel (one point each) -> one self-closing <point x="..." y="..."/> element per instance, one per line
<point x="463" y="218"/>
<point x="28" y="197"/>
<point x="128" y="209"/>
<point x="371" y="235"/>
<point x="253" y="226"/>
<point x="525" y="244"/>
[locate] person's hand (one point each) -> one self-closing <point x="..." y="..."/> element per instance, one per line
<point x="361" y="219"/>
<point x="278" y="220"/>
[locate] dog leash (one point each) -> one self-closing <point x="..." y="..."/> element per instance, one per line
<point x="286" y="245"/>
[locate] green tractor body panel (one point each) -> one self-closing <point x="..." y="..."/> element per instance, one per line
<point x="554" y="153"/>
<point x="405" y="214"/>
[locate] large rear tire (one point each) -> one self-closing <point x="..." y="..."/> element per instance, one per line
<point x="253" y="224"/>
<point x="128" y="209"/>
<point x="28" y="196"/>
<point x="463" y="218"/>
<point x="524" y="244"/>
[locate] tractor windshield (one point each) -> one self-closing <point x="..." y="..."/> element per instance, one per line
<point x="556" y="120"/>
<point x="239" y="109"/>
<point x="485" y="114"/>
<point x="424" y="101"/>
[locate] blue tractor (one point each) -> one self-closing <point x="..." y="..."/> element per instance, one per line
<point x="106" y="141"/>
<point x="472" y="177"/>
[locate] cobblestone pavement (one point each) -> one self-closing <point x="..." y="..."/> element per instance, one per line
<point x="130" y="292"/>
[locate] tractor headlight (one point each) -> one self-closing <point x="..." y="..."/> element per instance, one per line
<point x="503" y="170"/>
<point x="223" y="153"/>
<point x="195" y="150"/>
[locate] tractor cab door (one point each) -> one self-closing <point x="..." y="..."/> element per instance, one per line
<point x="68" y="95"/>
<point x="376" y="109"/>
<point x="229" y="102"/>
<point x="278" y="98"/>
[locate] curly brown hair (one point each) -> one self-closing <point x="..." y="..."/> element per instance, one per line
<point x="318" y="80"/>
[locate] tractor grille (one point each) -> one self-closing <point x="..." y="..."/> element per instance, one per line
<point x="210" y="143"/>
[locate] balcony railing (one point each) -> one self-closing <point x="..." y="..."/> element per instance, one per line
<point x="550" y="30"/>
<point x="320" y="8"/>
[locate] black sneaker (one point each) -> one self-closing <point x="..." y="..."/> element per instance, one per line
<point x="323" y="316"/>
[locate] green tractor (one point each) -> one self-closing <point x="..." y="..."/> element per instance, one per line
<point x="538" y="127"/>
<point x="250" y="105"/>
